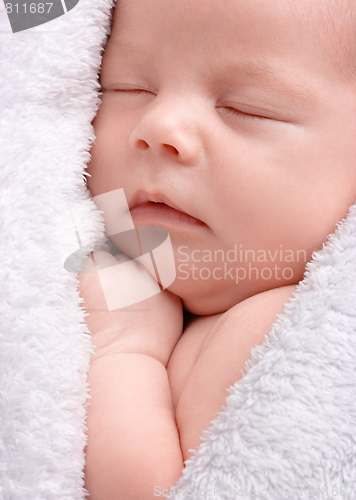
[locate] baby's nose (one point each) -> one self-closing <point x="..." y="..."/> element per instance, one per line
<point x="168" y="127"/>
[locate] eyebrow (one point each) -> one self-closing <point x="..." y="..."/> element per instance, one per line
<point x="268" y="75"/>
<point x="243" y="70"/>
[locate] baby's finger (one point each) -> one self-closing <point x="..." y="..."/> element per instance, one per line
<point x="90" y="288"/>
<point x="125" y="281"/>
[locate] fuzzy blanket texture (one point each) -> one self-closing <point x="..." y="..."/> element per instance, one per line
<point x="288" y="429"/>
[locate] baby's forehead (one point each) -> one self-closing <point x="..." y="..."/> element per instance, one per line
<point x="328" y="25"/>
<point x="334" y="24"/>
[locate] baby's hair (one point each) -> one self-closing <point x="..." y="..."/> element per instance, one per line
<point x="335" y="23"/>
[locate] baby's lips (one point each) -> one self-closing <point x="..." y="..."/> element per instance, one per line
<point x="152" y="210"/>
<point x="142" y="199"/>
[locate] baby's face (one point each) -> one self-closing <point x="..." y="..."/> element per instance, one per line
<point x="231" y="113"/>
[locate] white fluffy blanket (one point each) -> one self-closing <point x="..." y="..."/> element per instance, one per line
<point x="289" y="426"/>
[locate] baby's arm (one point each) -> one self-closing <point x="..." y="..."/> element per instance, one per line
<point x="133" y="442"/>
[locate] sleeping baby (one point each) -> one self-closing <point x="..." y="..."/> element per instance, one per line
<point x="232" y="125"/>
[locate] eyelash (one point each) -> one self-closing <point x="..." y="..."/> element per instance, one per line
<point x="134" y="91"/>
<point x="229" y="110"/>
<point x="237" y="112"/>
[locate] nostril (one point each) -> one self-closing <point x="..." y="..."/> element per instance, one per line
<point x="141" y="144"/>
<point x="171" y="149"/>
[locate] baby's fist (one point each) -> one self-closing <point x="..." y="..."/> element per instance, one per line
<point x="151" y="326"/>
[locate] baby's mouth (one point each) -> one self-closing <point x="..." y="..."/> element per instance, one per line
<point x="151" y="208"/>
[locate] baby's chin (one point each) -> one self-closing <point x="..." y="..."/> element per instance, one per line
<point x="203" y="307"/>
<point x="207" y="298"/>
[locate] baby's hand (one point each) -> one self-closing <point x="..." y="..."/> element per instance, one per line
<point x="152" y="326"/>
<point x="133" y="443"/>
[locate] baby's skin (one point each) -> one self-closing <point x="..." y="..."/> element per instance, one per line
<point x="154" y="389"/>
<point x="232" y="125"/>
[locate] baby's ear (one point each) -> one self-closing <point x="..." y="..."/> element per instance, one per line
<point x="31" y="13"/>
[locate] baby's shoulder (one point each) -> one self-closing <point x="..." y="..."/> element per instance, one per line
<point x="208" y="339"/>
<point x="253" y="317"/>
<point x="211" y="357"/>
<point x="264" y="305"/>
